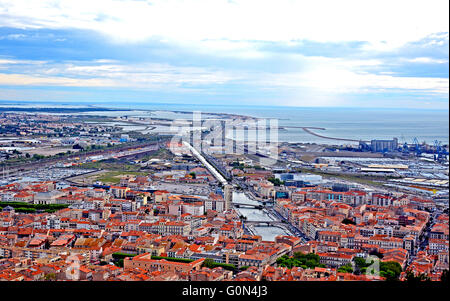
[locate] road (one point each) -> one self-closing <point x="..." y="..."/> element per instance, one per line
<point x="208" y="166"/>
<point x="292" y="228"/>
<point x="423" y="239"/>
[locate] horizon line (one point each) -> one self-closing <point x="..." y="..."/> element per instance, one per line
<point x="14" y="102"/>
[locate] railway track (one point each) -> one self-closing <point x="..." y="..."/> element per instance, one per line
<point x="15" y="170"/>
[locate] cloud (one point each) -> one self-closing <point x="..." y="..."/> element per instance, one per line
<point x="108" y="73"/>
<point x="9" y="61"/>
<point x="30" y="80"/>
<point x="426" y="60"/>
<point x="340" y="76"/>
<point x="384" y="24"/>
<point x="318" y="49"/>
<point x="13" y="37"/>
<point x="329" y="75"/>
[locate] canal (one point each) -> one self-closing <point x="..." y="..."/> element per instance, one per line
<point x="267" y="233"/>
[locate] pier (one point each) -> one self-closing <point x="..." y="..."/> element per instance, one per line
<point x="307" y="129"/>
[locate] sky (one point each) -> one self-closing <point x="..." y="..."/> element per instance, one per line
<point x="285" y="53"/>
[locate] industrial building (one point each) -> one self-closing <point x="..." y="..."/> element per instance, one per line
<point x="299" y="180"/>
<point x="384" y="145"/>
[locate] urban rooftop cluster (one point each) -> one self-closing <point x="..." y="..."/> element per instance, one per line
<point x="50" y="231"/>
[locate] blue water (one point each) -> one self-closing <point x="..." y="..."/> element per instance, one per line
<point x="349" y="123"/>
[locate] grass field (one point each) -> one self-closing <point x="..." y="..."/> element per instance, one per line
<point x="113" y="177"/>
<point x="162" y="153"/>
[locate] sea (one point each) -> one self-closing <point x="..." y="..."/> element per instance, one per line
<point x="426" y="125"/>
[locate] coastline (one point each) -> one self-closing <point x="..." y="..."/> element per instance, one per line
<point x="357" y="124"/>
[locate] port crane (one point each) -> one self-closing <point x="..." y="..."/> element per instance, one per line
<point x="417" y="146"/>
<point x="440" y="152"/>
<point x="405" y="148"/>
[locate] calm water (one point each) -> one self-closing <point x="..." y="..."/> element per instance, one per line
<point x="267" y="233"/>
<point x="349" y="123"/>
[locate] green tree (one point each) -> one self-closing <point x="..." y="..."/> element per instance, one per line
<point x="275" y="181"/>
<point x="391" y="270"/>
<point x="411" y="278"/>
<point x="310" y="260"/>
<point x="311" y="263"/>
<point x="360" y="262"/>
<point x="361" y="265"/>
<point x="209" y="263"/>
<point x="38" y="157"/>
<point x="346" y="268"/>
<point x="25" y="210"/>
